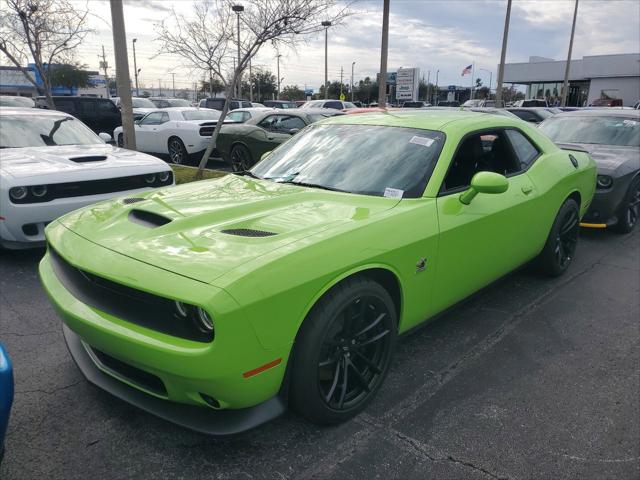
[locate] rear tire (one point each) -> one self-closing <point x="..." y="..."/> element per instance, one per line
<point x="343" y="351"/>
<point x="241" y="159"/>
<point x="120" y="140"/>
<point x="560" y="247"/>
<point x="630" y="209"/>
<point x="177" y="153"/>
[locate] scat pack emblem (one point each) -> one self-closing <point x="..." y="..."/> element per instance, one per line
<point x="421" y="265"/>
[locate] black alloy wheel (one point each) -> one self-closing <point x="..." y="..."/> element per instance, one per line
<point x="354" y="353"/>
<point x="240" y="158"/>
<point x="177" y="153"/>
<point x="343" y="351"/>
<point x="628" y="216"/>
<point x="560" y="247"/>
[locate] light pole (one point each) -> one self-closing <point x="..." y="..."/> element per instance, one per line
<point x="352" y="65"/>
<point x="326" y="24"/>
<point x="503" y="53"/>
<point x="437" y="91"/>
<point x="135" y="66"/>
<point x="173" y="80"/>
<point x="429" y="86"/>
<point x="238" y="9"/>
<point x="278" y="60"/>
<point x="490" y="78"/>
<point x="384" y="49"/>
<point x="566" y="70"/>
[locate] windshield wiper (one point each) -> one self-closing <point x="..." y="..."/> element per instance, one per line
<point x="313" y="185"/>
<point x="248" y="173"/>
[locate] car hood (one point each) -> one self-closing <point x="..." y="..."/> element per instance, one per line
<point x="63" y="161"/>
<point x="610" y="157"/>
<point x="205" y="229"/>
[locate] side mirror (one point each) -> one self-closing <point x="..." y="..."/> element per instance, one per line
<point x="293" y="131"/>
<point x="265" y="155"/>
<point x="105" y="136"/>
<point x="136" y="122"/>
<point x="484" y="182"/>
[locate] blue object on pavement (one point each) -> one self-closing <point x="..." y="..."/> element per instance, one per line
<point x="6" y="395"/>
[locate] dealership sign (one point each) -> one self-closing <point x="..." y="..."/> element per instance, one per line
<point x="407" y="83"/>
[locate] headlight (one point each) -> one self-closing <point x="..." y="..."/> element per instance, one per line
<point x="604" y="181"/>
<point x="163" y="176"/>
<point x="151" y="178"/>
<point x="204" y="321"/>
<point x="182" y="309"/>
<point x="39" y="191"/>
<point x="18" y="193"/>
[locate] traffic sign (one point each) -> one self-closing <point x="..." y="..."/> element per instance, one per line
<point x="452" y="88"/>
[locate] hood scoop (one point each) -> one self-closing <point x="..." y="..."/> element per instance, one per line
<point x="148" y="219"/>
<point x="89" y="158"/>
<point x="247" y="232"/>
<point x="130" y="200"/>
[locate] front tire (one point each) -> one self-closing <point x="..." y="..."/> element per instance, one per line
<point x="177" y="152"/>
<point x="241" y="159"/>
<point x="343" y="351"/>
<point x="628" y="215"/>
<point x="120" y="140"/>
<point x="560" y="247"/>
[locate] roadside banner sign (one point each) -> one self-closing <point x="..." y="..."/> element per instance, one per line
<point x="407" y="83"/>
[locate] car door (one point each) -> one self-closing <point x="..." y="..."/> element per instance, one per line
<point x="146" y="129"/>
<point x="108" y="116"/>
<point x="492" y="235"/>
<point x="86" y="111"/>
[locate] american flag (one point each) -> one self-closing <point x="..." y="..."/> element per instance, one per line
<point x="466" y="70"/>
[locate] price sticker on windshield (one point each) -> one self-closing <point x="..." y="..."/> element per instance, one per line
<point x="393" y="193"/>
<point x="424" y="141"/>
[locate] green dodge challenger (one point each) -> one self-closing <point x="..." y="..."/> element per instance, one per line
<point x="219" y="303"/>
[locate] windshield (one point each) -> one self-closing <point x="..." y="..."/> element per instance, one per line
<point x="178" y="102"/>
<point x="142" y="103"/>
<point x="366" y="159"/>
<point x="16" y="102"/>
<point x="205" y="114"/>
<point x="605" y="130"/>
<point x="18" y="131"/>
<point x="313" y="104"/>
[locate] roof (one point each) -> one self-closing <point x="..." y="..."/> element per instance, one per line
<point x="424" y="119"/>
<point x="602" y="112"/>
<point x="31" y="111"/>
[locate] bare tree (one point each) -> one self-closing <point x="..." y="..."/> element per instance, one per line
<point x="44" y="30"/>
<point x="201" y="39"/>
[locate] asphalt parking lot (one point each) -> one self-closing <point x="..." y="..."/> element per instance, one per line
<point x="529" y="379"/>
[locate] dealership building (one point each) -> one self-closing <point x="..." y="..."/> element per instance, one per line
<point x="590" y="78"/>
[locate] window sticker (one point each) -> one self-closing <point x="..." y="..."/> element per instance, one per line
<point x="630" y="123"/>
<point x="424" y="141"/>
<point x="393" y="192"/>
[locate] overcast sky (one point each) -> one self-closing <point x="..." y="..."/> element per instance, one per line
<point x="444" y="35"/>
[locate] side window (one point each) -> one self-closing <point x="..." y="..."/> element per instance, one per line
<point x="154" y="118"/>
<point x="107" y="106"/>
<point x="269" y="123"/>
<point x="482" y="152"/>
<point x="164" y="118"/>
<point x="87" y="107"/>
<point x="233" y="105"/>
<point x="236" y="116"/>
<point x="202" y="103"/>
<point x="523" y="148"/>
<point x="526" y="116"/>
<point x="246" y="105"/>
<point x="286" y="123"/>
<point x="336" y="105"/>
<point x="66" y="106"/>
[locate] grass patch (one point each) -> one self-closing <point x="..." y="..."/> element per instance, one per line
<point x="186" y="174"/>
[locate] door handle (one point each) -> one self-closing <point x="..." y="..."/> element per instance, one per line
<point x="527" y="189"/>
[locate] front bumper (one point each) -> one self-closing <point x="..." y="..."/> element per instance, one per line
<point x="185" y="369"/>
<point x="606" y="204"/>
<point x="208" y="421"/>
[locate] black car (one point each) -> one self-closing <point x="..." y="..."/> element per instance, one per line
<point x="218" y="103"/>
<point x="449" y="103"/>
<point x="162" y="102"/>
<point x="99" y="114"/>
<point x="612" y="138"/>
<point x="531" y="114"/>
<point x="279" y="104"/>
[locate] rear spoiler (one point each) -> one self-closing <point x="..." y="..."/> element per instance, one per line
<point x="571" y="146"/>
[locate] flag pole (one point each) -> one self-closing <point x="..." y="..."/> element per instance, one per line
<point x="473" y="69"/>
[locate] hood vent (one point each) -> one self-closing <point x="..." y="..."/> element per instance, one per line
<point x="247" y="232"/>
<point x="90" y="158"/>
<point x="130" y="200"/>
<point x="148" y="219"/>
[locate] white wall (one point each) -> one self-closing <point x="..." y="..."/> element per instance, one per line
<point x="628" y="88"/>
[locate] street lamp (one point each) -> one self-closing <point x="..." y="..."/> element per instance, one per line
<point x="352" y="65"/>
<point x="135" y="66"/>
<point x="278" y="60"/>
<point x="238" y="9"/>
<point x="437" y="90"/>
<point x="326" y="24"/>
<point x="490" y="78"/>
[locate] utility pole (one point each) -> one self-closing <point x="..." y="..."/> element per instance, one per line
<point x="174" y="84"/>
<point x="135" y="66"/>
<point x="210" y="82"/>
<point x="326" y="26"/>
<point x="382" y="85"/>
<point x="437" y="90"/>
<point x="352" y="65"/>
<point x="341" y="73"/>
<point x="503" y="54"/>
<point x="159" y="86"/>
<point x="104" y="65"/>
<point x="278" y="59"/>
<point x="250" y="83"/>
<point x="238" y="9"/>
<point x="565" y="88"/>
<point x="122" y="73"/>
<point x="429" y="86"/>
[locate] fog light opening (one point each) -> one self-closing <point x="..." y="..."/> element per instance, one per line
<point x="212" y="402"/>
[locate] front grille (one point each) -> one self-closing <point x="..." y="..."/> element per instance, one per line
<point x="141" y="308"/>
<point x="206" y="129"/>
<point x="92" y="187"/>
<point x="247" y="232"/>
<point x="144" y="379"/>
